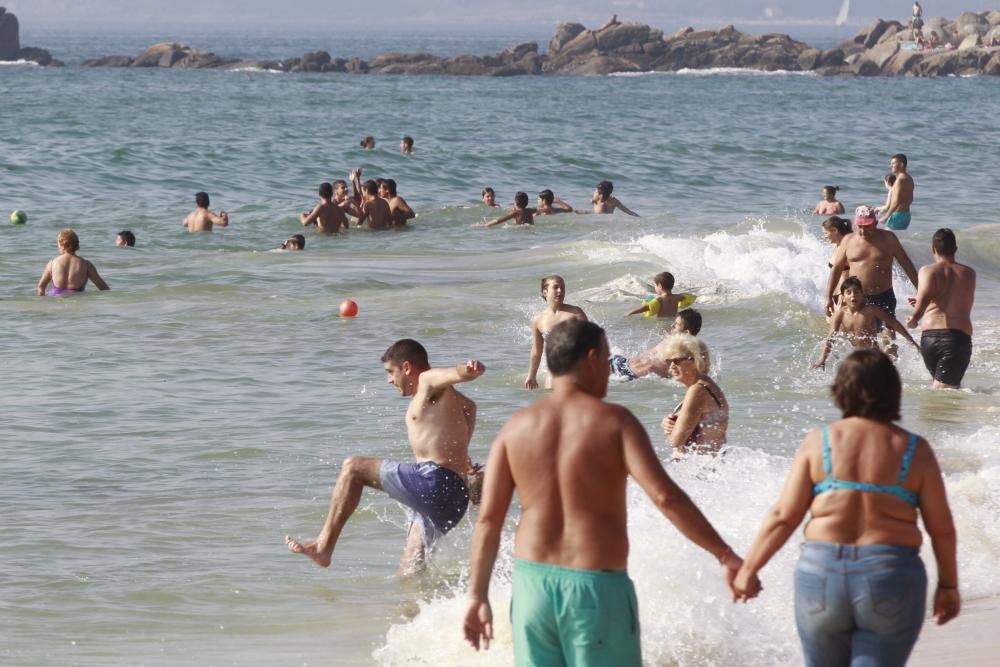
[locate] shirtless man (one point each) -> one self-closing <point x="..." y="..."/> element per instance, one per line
<point x="439" y="422"/>
<point x="374" y="209"/>
<point x="569" y="457"/>
<point x="406" y="145"/>
<point x="946" y="291"/>
<point x="546" y="199"/>
<point x="604" y="203"/>
<point x="201" y="219"/>
<point x="68" y="269"/>
<point x="653" y="360"/>
<point x="327" y="215"/>
<point x="867" y="255"/>
<point x="401" y="211"/>
<point x="520" y="214"/>
<point x="553" y="291"/>
<point x="342" y="198"/>
<point x="896" y="214"/>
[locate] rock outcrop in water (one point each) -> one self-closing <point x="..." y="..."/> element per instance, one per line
<point x="10" y="43"/>
<point x="963" y="46"/>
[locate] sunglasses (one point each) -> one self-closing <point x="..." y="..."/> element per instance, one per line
<point x="678" y="360"/>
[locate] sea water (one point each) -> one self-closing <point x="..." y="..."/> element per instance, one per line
<point x="160" y="439"/>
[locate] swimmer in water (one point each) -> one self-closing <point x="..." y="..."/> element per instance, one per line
<point x="859" y="321"/>
<point x="294" y="242"/>
<point x="374" y="209"/>
<point x="546" y="199"/>
<point x="406" y="145"/>
<point x="665" y="303"/>
<point x="490" y="198"/>
<point x="201" y="219"/>
<point x="829" y="204"/>
<point x="556" y="311"/>
<point x="69" y="270"/>
<point x="326" y="215"/>
<point x="401" y="211"/>
<point x="604" y="203"/>
<point x="520" y="214"/>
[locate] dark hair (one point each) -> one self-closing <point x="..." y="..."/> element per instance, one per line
<point x="340" y="181"/>
<point x="664" y="280"/>
<point x="325" y="190"/>
<point x="890" y="179"/>
<point x="370" y="187"/>
<point x="868" y="385"/>
<point x="605" y="188"/>
<point x="406" y="349"/>
<point x="835" y="223"/>
<point x="299" y="240"/>
<point x="852" y="282"/>
<point x="692" y="318"/>
<point x="201" y="199"/>
<point x="521" y="200"/>
<point x="944" y="242"/>
<point x="489" y="190"/>
<point x="900" y="157"/>
<point x="367" y="139"/>
<point x="832" y="189"/>
<point x="408" y="141"/>
<point x="128" y="237"/>
<point x="568" y="342"/>
<point x="390" y="185"/>
<point x="546" y="196"/>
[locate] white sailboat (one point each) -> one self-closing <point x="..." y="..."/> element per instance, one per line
<point x="844" y="9"/>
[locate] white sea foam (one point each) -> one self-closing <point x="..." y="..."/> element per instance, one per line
<point x="710" y="71"/>
<point x="18" y="63"/>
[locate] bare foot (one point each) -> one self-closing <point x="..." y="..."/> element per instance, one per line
<point x="307" y="549"/>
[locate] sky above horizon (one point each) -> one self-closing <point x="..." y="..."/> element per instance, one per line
<point x="482" y="15"/>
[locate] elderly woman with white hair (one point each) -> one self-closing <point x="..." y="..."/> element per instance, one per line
<point x="699" y="423"/>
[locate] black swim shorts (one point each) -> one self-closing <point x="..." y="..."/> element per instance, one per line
<point x="946" y="354"/>
<point x="886" y="301"/>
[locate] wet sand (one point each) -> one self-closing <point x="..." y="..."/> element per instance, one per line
<point x="971" y="640"/>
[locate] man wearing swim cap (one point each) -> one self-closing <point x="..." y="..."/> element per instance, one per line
<point x="867" y="255"/>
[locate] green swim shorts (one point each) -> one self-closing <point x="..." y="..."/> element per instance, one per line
<point x="577" y="618"/>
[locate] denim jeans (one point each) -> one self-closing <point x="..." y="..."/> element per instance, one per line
<point x="859" y="605"/>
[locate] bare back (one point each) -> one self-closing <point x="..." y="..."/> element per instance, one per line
<point x="203" y="220"/>
<point x="440" y="427"/>
<point x="902" y="192"/>
<point x="951" y="291"/>
<point x="566" y="458"/>
<point x="378" y="213"/>
<point x="329" y="217"/>
<point x="69" y="272"/>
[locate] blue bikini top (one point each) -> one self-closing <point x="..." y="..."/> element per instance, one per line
<point x="833" y="484"/>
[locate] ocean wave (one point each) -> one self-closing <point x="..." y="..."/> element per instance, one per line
<point x="18" y="63"/>
<point x="264" y="70"/>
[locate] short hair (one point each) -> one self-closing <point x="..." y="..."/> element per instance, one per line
<point x="836" y="223"/>
<point x="900" y="157"/>
<point x="552" y="277"/>
<point x="68" y="240"/>
<point x="325" y="190"/>
<point x="546" y="196"/>
<point x="488" y="191"/>
<point x="370" y="187"/>
<point x="366" y="140"/>
<point x="868" y="385"/>
<point x="664" y="280"/>
<point x="944" y="242"/>
<point x="521" y="200"/>
<point x="692" y="318"/>
<point x="201" y="199"/>
<point x="686" y="345"/>
<point x="890" y="179"/>
<point x="340" y="181"/>
<point x="299" y="240"/>
<point x="408" y="141"/>
<point x="406" y="349"/>
<point x="852" y="282"/>
<point x="605" y="188"/>
<point x="832" y="189"/>
<point x="128" y="237"/>
<point x="390" y="185"/>
<point x="569" y="342"/>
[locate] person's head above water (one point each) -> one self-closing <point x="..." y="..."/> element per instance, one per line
<point x="685" y="347"/>
<point x="944" y="243"/>
<point x="687" y="321"/>
<point x="868" y="386"/>
<point x="489" y="197"/>
<point x="897" y="163"/>
<point x="368" y="142"/>
<point x="836" y="224"/>
<point x="326" y="190"/>
<point x="830" y="192"/>
<point x="406" y="144"/>
<point x="580" y="349"/>
<point x="553" y="280"/>
<point x="604" y="189"/>
<point x="664" y="281"/>
<point x="370" y="187"/>
<point x="125" y="239"/>
<point x="201" y="199"/>
<point x="390" y="186"/>
<point x="546" y="196"/>
<point x="68" y="241"/>
<point x="403" y="362"/>
<point x="521" y="200"/>
<point x="852" y="293"/>
<point x="294" y="242"/>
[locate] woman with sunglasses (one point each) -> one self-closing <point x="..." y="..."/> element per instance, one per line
<point x="699" y="423"/>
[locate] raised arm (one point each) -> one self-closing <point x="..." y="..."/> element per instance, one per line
<point x="936" y="515"/>
<point x="221" y="219"/>
<point x="46" y="278"/>
<point x="498" y="489"/>
<point x="562" y="204"/>
<point x="95" y="277"/>
<point x="310" y="218"/>
<point x="535" y="360"/>
<point x="432" y="381"/>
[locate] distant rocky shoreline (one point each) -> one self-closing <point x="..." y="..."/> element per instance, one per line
<point x="882" y="49"/>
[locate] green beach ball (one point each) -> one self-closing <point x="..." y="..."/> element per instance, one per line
<point x="18" y="218"/>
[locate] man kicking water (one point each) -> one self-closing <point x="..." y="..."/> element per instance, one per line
<point x="439" y="422"/>
<point x="569" y="457"/>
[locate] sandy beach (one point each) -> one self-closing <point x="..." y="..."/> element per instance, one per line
<point x="970" y="640"/>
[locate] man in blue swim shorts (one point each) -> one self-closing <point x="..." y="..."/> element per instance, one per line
<point x="569" y="457"/>
<point x="896" y="215"/>
<point x="439" y="422"/>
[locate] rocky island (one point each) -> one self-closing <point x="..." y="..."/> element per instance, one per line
<point x="968" y="45"/>
<point x="10" y="44"/>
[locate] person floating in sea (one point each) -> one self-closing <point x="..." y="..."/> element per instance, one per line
<point x="603" y="202"/>
<point x="546" y="199"/>
<point x="201" y="219"/>
<point x="69" y="270"/>
<point x="946" y="291"/>
<point x="400" y="210"/>
<point x="699" y="423"/>
<point x="439" y="421"/>
<point x="556" y="311"/>
<point x="326" y="215"/>
<point x="406" y="145"/>
<point x="125" y="239"/>
<point x="665" y="303"/>
<point x="490" y="198"/>
<point x="653" y="360"/>
<point x="569" y="456"/>
<point x="896" y="213"/>
<point x="520" y="214"/>
<point x="374" y="209"/>
<point x="867" y="254"/>
<point x="368" y="142"/>
<point x="829" y="204"/>
<point x="858" y="321"/>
